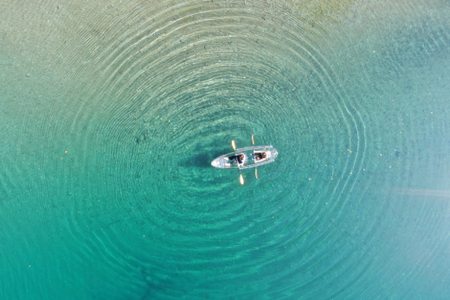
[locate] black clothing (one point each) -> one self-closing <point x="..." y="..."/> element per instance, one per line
<point x="258" y="155"/>
<point x="236" y="158"/>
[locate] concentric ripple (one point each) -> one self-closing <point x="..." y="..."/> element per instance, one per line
<point x="147" y="94"/>
<point x="178" y="85"/>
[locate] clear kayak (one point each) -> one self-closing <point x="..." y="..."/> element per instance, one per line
<point x="249" y="157"/>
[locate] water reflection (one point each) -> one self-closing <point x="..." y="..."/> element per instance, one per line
<point x="426" y="193"/>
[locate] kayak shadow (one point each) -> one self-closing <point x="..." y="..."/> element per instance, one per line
<point x="203" y="160"/>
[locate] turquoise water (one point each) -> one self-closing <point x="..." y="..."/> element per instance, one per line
<point x="111" y="113"/>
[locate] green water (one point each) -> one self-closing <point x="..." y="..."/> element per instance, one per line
<point x="112" y="111"/>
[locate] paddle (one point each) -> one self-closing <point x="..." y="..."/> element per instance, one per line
<point x="241" y="178"/>
<point x="256" y="170"/>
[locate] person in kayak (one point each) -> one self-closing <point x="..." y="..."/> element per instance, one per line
<point x="236" y="159"/>
<point x="259" y="155"/>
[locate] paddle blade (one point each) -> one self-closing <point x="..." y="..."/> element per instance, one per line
<point x="256" y="173"/>
<point x="241" y="179"/>
<point x="253" y="140"/>
<point x="233" y="144"/>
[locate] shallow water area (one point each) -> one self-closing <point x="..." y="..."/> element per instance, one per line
<point x="112" y="112"/>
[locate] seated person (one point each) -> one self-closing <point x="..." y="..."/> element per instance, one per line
<point x="236" y="158"/>
<point x="259" y="155"/>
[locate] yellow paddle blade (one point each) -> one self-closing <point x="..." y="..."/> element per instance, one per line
<point x="233" y="144"/>
<point x="256" y="173"/>
<point x="241" y="179"/>
<point x="253" y="141"/>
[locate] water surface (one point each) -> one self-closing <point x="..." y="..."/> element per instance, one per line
<point x="112" y="111"/>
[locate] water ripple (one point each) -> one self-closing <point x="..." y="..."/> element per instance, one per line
<point x="182" y="81"/>
<point x="162" y="90"/>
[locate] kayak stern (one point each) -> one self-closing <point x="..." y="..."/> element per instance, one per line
<point x="218" y="162"/>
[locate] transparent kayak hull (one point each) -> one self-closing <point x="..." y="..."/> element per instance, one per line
<point x="223" y="162"/>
